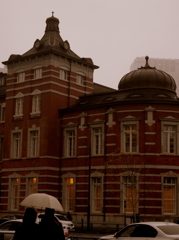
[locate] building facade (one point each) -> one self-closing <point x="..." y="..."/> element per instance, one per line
<point x="46" y="78"/>
<point x="107" y="155"/>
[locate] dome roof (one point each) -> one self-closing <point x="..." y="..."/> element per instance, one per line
<point x="147" y="78"/>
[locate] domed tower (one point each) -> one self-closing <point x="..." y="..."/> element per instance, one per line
<point x="148" y="83"/>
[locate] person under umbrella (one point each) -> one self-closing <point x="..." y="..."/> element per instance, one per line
<point x="49" y="228"/>
<point x="28" y="230"/>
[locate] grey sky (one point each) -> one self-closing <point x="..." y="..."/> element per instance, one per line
<point x="112" y="32"/>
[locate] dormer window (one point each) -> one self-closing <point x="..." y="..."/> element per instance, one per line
<point x="21" y="77"/>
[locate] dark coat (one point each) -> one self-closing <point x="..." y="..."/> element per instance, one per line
<point x="27" y="231"/>
<point x="50" y="229"/>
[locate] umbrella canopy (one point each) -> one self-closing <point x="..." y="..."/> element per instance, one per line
<point x="42" y="201"/>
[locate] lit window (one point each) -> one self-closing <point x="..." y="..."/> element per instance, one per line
<point x="169" y="138"/>
<point x="97" y="140"/>
<point x="37" y="73"/>
<point x="130" y="194"/>
<point x="129" y="138"/>
<point x="69" y="194"/>
<point x="97" y="194"/>
<point x="33" y="143"/>
<point x="36" y="103"/>
<point x="14" y="193"/>
<point x="19" y="107"/>
<point x="32" y="185"/>
<point x="16" y="144"/>
<point x="64" y="74"/>
<point x="21" y="77"/>
<point x="70" y="143"/>
<point x="169" y="195"/>
<point x="80" y="79"/>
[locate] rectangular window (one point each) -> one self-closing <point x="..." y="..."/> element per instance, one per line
<point x="70" y="194"/>
<point x="130" y="194"/>
<point x="36" y="103"/>
<point x="169" y="138"/>
<point x="1" y="148"/>
<point x="80" y="79"/>
<point x="32" y="185"/>
<point x="21" y="77"/>
<point x="130" y="138"/>
<point x="70" y="143"/>
<point x="2" y="81"/>
<point x="97" y="140"/>
<point x="19" y="107"/>
<point x="33" y="143"/>
<point x="16" y="144"/>
<point x="97" y="194"/>
<point x="37" y="73"/>
<point x="169" y="195"/>
<point x="3" y="108"/>
<point x="14" y="193"/>
<point x="64" y="74"/>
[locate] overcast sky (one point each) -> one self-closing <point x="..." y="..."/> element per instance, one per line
<point x="111" y="32"/>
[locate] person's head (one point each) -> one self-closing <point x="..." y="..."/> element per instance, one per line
<point x="30" y="215"/>
<point x="49" y="213"/>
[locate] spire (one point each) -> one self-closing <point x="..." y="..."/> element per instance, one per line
<point x="147" y="64"/>
<point x="52" y="24"/>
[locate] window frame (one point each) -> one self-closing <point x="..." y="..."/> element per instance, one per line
<point x="127" y="184"/>
<point x="69" y="205"/>
<point x="2" y="81"/>
<point x="80" y="78"/>
<point x="34" y="142"/>
<point x="70" y="142"/>
<point x="1" y="147"/>
<point x="131" y="131"/>
<point x="19" y="107"/>
<point x="36" y="104"/>
<point x="170" y="185"/>
<point x="14" y="192"/>
<point x="97" y="140"/>
<point x="16" y="143"/>
<point x="95" y="200"/>
<point x="3" y="111"/>
<point x="37" y="74"/>
<point x="165" y="136"/>
<point x="20" y="76"/>
<point x="64" y="73"/>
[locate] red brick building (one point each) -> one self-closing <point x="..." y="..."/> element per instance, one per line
<point x="105" y="154"/>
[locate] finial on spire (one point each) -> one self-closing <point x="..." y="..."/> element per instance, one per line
<point x="52" y="14"/>
<point x="147" y="63"/>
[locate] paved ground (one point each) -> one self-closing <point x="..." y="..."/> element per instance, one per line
<point x="84" y="235"/>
